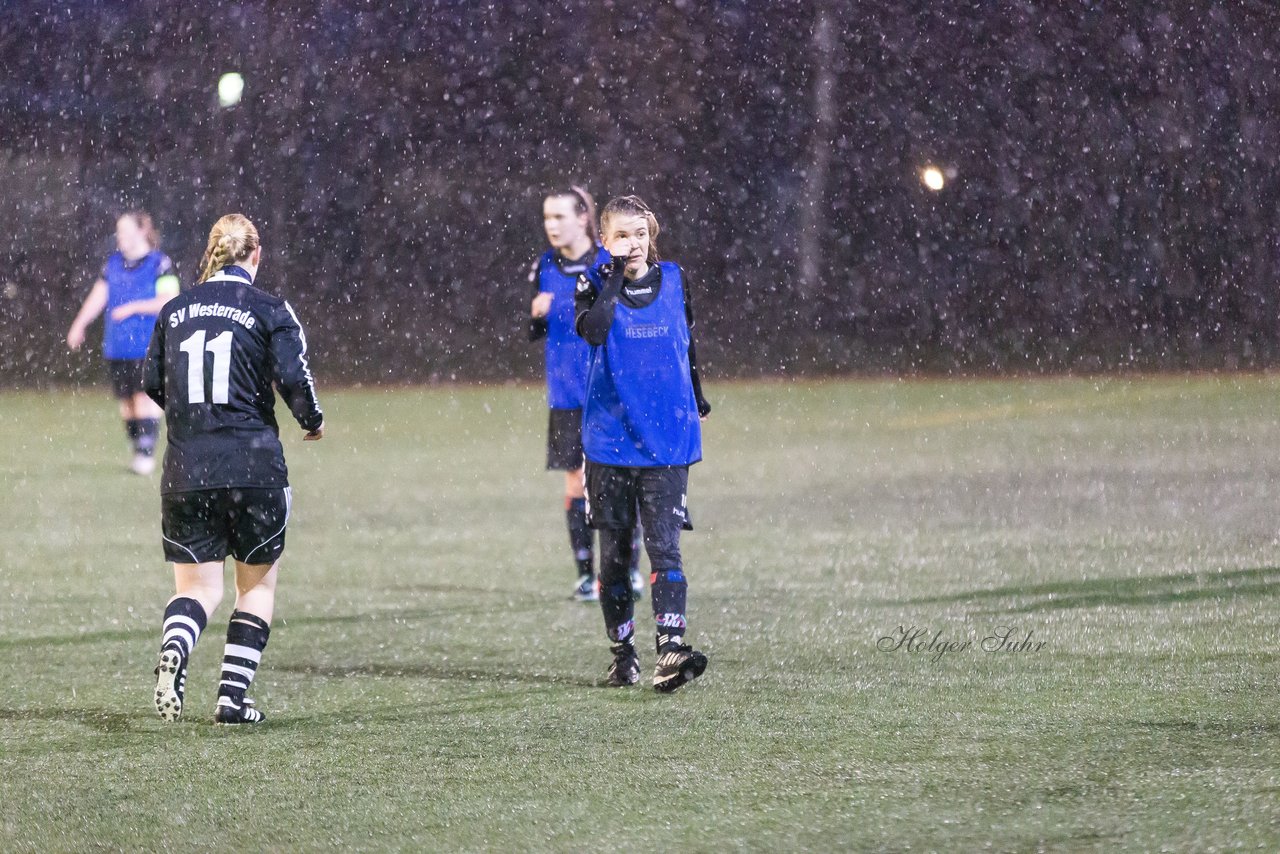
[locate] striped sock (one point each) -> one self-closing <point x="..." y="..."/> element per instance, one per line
<point x="184" y="620"/>
<point x="246" y="639"/>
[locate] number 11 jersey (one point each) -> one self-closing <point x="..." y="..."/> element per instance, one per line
<point x="215" y="353"/>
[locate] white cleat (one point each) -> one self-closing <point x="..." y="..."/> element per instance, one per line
<point x="170" y="677"/>
<point x="142" y="464"/>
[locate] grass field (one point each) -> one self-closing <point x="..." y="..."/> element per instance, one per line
<point x="429" y="685"/>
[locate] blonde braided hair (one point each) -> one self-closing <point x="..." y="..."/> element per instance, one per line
<point x="233" y="238"/>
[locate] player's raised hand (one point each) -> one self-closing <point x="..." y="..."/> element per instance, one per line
<point x="315" y="435"/>
<point x="541" y="304"/>
<point x="621" y="249"/>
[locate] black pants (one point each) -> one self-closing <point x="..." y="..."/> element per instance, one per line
<point x="618" y="498"/>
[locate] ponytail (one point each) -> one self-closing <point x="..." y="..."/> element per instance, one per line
<point x="583" y="205"/>
<point x="232" y="238"/>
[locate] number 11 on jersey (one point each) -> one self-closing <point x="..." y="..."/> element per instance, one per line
<point x="220" y="347"/>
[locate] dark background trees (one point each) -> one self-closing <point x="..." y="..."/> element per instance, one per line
<point x="1113" y="201"/>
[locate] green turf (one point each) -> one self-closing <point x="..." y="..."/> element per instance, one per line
<point x="430" y="687"/>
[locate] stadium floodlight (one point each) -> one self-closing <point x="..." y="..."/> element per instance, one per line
<point x="933" y="178"/>
<point x="230" y="88"/>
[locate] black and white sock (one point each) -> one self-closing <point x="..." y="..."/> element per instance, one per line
<point x="184" y="620"/>
<point x="246" y="639"/>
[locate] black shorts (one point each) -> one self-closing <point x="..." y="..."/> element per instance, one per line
<point x="564" y="440"/>
<point x="209" y="524"/>
<point x="658" y="496"/>
<point x="126" y="377"/>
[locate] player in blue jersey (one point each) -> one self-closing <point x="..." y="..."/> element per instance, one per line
<point x="641" y="430"/>
<point x="135" y="283"/>
<point x="569" y="218"/>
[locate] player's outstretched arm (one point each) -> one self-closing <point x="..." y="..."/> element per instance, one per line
<point x="144" y="306"/>
<point x="167" y="287"/>
<point x="704" y="408"/>
<point x="92" y="306"/>
<point x="293" y="372"/>
<point x="153" y="366"/>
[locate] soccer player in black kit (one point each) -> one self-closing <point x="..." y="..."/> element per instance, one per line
<point x="214" y="355"/>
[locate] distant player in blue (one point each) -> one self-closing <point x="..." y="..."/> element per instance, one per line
<point x="135" y="283"/>
<point x="641" y="430"/>
<point x="569" y="217"/>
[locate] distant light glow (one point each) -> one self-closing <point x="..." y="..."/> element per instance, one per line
<point x="933" y="178"/>
<point x="230" y="88"/>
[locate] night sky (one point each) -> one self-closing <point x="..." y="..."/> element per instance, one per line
<point x="1109" y="173"/>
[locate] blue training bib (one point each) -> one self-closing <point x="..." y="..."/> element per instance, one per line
<point x="640" y="408"/>
<point x="566" y="352"/>
<point x="128" y="338"/>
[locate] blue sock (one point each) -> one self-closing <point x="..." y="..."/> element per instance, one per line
<point x="668" y="590"/>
